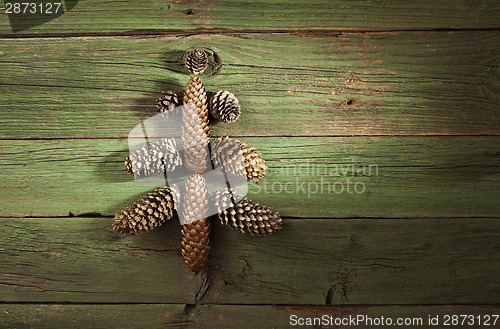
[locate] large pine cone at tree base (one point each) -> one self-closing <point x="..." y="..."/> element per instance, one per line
<point x="196" y="228"/>
<point x="229" y="152"/>
<point x="246" y="216"/>
<point x="225" y="107"/>
<point x="154" y="159"/>
<point x="196" y="61"/>
<point x="145" y="214"/>
<point x="196" y="244"/>
<point x="195" y="129"/>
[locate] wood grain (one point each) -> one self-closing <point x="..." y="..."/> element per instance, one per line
<point x="94" y="16"/>
<point x="352" y="84"/>
<point x="217" y="316"/>
<point x="308" y="177"/>
<point x="352" y="261"/>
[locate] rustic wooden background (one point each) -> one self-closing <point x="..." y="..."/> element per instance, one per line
<point x="410" y="86"/>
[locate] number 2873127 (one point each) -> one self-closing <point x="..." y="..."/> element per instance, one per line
<point x="32" y="8"/>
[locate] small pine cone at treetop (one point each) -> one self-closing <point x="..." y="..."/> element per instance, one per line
<point x="168" y="101"/>
<point x="154" y="159"/>
<point x="246" y="216"/>
<point x="196" y="61"/>
<point x="196" y="232"/>
<point x="225" y="107"/>
<point x="238" y="158"/>
<point x="194" y="128"/>
<point x="146" y="213"/>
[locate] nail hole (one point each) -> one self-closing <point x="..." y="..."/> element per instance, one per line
<point x="188" y="12"/>
<point x="329" y="296"/>
<point x="350" y="102"/>
<point x="190" y="309"/>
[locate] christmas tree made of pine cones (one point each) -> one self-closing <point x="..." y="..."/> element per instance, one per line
<point x="163" y="156"/>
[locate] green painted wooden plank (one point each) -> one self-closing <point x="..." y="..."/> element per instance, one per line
<point x="438" y="83"/>
<point x="308" y="177"/>
<point x="311" y="261"/>
<point x="111" y="16"/>
<point x="93" y="263"/>
<point x="231" y="316"/>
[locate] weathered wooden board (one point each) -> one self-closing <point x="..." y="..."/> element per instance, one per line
<point x="419" y="83"/>
<point x="308" y="177"/>
<point x="94" y="16"/>
<point x="229" y="316"/>
<point x="344" y="261"/>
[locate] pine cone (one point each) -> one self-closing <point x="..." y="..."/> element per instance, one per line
<point x="195" y="235"/>
<point x="225" y="107"/>
<point x="246" y="216"/>
<point x="146" y="213"/>
<point x="228" y="152"/>
<point x="154" y="159"/>
<point x="196" y="94"/>
<point x="195" y="129"/>
<point x="196" y="61"/>
<point x="169" y="101"/>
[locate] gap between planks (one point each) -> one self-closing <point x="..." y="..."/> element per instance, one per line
<point x="223" y="31"/>
<point x="256" y="136"/>
<point x="305" y="306"/>
<point x="286" y="218"/>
